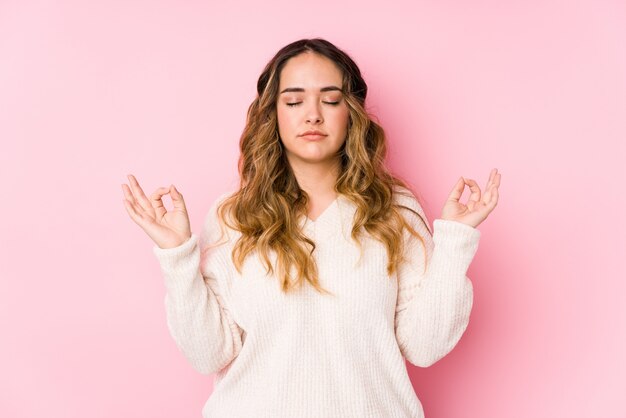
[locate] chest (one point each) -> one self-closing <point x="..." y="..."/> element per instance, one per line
<point x="358" y="282"/>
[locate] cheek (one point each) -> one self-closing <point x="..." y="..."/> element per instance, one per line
<point x="284" y="120"/>
<point x="342" y="118"/>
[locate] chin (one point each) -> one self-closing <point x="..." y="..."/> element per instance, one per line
<point x="313" y="157"/>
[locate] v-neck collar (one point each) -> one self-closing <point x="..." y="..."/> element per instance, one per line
<point x="324" y="212"/>
<point x="330" y="222"/>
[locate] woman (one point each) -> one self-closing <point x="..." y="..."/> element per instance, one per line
<point x="312" y="282"/>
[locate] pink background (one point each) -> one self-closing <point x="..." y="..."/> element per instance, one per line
<point x="91" y="91"/>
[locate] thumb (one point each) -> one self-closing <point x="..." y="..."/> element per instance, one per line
<point x="457" y="191"/>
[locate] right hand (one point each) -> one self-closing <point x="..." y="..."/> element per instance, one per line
<point x="167" y="229"/>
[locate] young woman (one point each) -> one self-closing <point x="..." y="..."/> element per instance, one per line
<point x="313" y="281"/>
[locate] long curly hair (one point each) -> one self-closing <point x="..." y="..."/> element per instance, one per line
<point x="269" y="202"/>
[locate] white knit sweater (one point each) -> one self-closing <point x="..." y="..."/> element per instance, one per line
<point x="309" y="355"/>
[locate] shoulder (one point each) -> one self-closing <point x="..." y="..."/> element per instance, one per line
<point x="214" y="225"/>
<point x="405" y="198"/>
<point x="410" y="207"/>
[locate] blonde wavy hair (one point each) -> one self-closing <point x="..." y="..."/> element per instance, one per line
<point x="269" y="201"/>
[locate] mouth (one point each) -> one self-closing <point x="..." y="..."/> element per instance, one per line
<point x="313" y="137"/>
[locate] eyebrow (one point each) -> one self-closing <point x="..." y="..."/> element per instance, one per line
<point x="300" y="89"/>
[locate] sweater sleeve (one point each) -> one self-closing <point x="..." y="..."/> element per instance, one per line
<point x="197" y="317"/>
<point x="433" y="306"/>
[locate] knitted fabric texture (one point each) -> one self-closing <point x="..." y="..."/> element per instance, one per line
<point x="305" y="354"/>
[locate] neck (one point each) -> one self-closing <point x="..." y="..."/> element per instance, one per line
<point x="317" y="179"/>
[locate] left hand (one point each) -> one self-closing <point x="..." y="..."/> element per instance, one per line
<point x="476" y="209"/>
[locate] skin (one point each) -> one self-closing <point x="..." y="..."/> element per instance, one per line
<point x="315" y="163"/>
<point x="478" y="206"/>
<point x="168" y="229"/>
<point x="171" y="229"/>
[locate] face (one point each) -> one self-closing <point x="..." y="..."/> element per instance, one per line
<point x="310" y="99"/>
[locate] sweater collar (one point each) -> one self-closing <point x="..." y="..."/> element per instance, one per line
<point x="335" y="219"/>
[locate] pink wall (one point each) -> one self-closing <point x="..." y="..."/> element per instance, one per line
<point x="91" y="91"/>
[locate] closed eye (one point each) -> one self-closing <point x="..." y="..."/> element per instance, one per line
<point x="297" y="103"/>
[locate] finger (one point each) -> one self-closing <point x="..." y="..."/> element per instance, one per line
<point x="131" y="198"/>
<point x="457" y="191"/>
<point x="139" y="195"/>
<point x="128" y="195"/>
<point x="490" y="183"/>
<point x="157" y="203"/>
<point x="475" y="195"/>
<point x="490" y="197"/>
<point x="492" y="176"/>
<point x="494" y="189"/>
<point x="132" y="212"/>
<point x="177" y="198"/>
<point x="494" y="198"/>
<point x="487" y="195"/>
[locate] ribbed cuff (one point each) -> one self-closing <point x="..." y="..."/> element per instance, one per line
<point x="170" y="257"/>
<point x="457" y="237"/>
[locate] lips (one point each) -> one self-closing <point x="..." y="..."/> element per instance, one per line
<point x="313" y="137"/>
<point x="313" y="133"/>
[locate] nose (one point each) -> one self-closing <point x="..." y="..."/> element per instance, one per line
<point x="314" y="115"/>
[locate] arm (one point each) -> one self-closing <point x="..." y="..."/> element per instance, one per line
<point x="433" y="307"/>
<point x="197" y="319"/>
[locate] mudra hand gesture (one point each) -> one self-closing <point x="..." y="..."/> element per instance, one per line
<point x="477" y="208"/>
<point x="167" y="229"/>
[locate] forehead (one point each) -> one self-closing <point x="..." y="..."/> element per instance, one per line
<point x="310" y="70"/>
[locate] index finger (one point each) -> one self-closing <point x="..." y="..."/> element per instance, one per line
<point x="138" y="191"/>
<point x="157" y="202"/>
